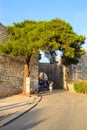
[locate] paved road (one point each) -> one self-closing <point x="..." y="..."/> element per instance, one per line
<point x="59" y="111"/>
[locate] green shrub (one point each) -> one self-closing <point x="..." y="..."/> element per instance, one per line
<point x="80" y="87"/>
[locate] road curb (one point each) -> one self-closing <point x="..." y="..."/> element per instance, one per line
<point x="18" y="114"/>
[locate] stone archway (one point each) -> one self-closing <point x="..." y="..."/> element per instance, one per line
<point x="54" y="72"/>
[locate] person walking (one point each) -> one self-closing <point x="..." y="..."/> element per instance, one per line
<point x="51" y="86"/>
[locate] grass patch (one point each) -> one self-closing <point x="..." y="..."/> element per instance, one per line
<point x="80" y="87"/>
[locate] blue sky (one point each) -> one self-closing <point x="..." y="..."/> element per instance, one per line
<point x="72" y="11"/>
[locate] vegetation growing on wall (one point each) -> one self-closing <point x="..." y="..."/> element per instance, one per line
<point x="80" y="87"/>
<point x="29" y="37"/>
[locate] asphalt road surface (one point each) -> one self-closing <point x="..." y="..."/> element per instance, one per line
<point x="58" y="111"/>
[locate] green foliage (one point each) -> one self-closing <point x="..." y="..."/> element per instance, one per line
<point x="80" y="87"/>
<point x="29" y="37"/>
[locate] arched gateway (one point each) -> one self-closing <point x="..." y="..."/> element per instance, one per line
<point x="54" y="73"/>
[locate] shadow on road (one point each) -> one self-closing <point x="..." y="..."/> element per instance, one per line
<point x="52" y="92"/>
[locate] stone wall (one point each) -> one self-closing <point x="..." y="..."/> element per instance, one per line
<point x="78" y="72"/>
<point x="3" y="34"/>
<point x="11" y="75"/>
<point x="74" y="73"/>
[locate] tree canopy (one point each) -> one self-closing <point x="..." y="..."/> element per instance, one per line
<point x="29" y="37"/>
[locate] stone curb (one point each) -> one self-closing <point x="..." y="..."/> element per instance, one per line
<point x="18" y="114"/>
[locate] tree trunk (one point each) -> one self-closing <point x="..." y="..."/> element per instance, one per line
<point x="26" y="74"/>
<point x="31" y="70"/>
